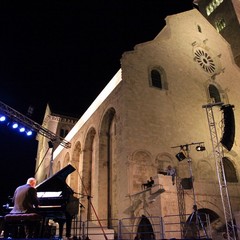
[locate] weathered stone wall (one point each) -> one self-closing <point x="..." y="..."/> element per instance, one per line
<point x="136" y="130"/>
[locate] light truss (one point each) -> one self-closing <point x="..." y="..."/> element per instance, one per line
<point x="27" y="122"/>
<point x="218" y="156"/>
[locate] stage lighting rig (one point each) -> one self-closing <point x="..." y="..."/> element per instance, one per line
<point x="185" y="154"/>
<point x="200" y="148"/>
<point x="26" y="122"/>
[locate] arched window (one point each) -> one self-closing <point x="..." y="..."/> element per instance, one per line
<point x="214" y="94"/>
<point x="220" y="25"/>
<point x="156" y="80"/>
<point x="63" y="132"/>
<point x="230" y="171"/>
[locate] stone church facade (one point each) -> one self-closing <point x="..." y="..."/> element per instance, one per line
<point x="150" y="109"/>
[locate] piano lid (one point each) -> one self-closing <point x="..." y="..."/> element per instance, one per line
<point x="57" y="182"/>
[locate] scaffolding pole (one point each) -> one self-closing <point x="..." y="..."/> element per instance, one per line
<point x="218" y="157"/>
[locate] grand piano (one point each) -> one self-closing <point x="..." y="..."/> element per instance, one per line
<point x="57" y="201"/>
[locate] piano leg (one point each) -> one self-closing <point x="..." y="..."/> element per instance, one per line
<point x="68" y="224"/>
<point x="60" y="223"/>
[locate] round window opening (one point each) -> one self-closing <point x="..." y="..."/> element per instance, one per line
<point x="204" y="60"/>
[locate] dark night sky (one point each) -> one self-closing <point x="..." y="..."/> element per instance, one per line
<point x="64" y="53"/>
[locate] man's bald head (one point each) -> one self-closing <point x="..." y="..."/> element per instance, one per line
<point x="32" y="182"/>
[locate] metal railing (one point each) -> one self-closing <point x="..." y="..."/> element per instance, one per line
<point x="156" y="228"/>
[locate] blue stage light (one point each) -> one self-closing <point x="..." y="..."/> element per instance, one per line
<point x="14" y="125"/>
<point x="29" y="133"/>
<point x="22" y="129"/>
<point x="2" y="118"/>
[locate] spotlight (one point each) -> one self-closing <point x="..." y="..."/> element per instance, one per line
<point x="22" y="129"/>
<point x="200" y="148"/>
<point x="180" y="156"/>
<point x="2" y="118"/>
<point x="15" y="125"/>
<point x="29" y="133"/>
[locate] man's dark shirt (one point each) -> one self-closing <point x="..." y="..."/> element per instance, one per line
<point x="25" y="199"/>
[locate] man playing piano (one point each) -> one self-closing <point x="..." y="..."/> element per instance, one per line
<point x="25" y="201"/>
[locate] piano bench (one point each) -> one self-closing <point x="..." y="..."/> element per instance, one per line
<point x="21" y="217"/>
<point x="14" y="223"/>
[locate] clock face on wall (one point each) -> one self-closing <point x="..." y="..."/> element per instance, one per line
<point x="202" y="57"/>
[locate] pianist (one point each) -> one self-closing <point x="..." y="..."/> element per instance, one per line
<point x="25" y="201"/>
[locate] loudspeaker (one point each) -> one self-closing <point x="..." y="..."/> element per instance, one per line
<point x="229" y="127"/>
<point x="187" y="183"/>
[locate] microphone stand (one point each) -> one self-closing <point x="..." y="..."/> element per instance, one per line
<point x="88" y="218"/>
<point x="80" y="227"/>
<point x="88" y="213"/>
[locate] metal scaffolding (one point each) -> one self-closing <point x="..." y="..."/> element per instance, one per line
<point x="181" y="204"/>
<point x="218" y="156"/>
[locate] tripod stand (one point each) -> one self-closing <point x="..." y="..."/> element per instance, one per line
<point x="195" y="220"/>
<point x="194" y="224"/>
